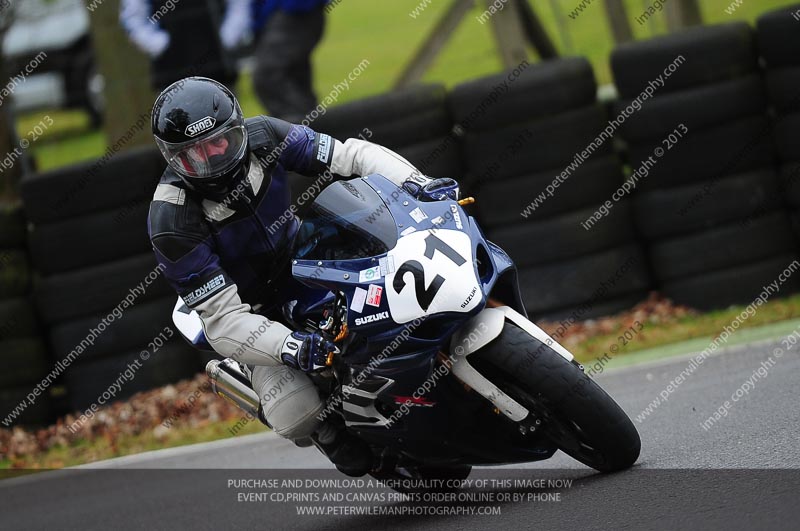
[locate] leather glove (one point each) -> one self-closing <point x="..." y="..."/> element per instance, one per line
<point x="306" y="352"/>
<point x="440" y="189"/>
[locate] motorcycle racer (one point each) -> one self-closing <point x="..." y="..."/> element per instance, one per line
<point x="221" y="224"/>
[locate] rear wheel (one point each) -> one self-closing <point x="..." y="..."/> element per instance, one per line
<point x="565" y="404"/>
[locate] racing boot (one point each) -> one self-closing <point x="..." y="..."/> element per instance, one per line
<point x="351" y="455"/>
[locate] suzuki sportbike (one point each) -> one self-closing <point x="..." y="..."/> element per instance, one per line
<point x="437" y="368"/>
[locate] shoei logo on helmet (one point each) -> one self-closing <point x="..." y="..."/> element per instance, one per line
<point x="200" y="125"/>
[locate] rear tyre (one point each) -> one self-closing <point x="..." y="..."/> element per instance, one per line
<point x="575" y="413"/>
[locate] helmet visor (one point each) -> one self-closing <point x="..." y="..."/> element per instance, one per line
<point x="209" y="156"/>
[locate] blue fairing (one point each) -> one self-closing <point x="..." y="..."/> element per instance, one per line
<point x="367" y="273"/>
<point x="404" y="275"/>
<point x="388" y="221"/>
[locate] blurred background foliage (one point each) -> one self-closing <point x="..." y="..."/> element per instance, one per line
<point x="386" y="35"/>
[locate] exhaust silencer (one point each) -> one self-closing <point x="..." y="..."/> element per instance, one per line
<point x="229" y="382"/>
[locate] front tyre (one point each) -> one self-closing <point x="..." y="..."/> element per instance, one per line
<point x="573" y="411"/>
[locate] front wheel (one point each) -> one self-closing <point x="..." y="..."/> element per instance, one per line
<point x="565" y="404"/>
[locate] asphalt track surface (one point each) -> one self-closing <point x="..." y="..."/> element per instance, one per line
<point x="742" y="473"/>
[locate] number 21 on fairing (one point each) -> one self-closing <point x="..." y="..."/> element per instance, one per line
<point x="436" y="274"/>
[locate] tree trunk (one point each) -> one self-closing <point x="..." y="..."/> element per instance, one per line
<point x="128" y="96"/>
<point x="618" y="20"/>
<point x="535" y="32"/>
<point x="682" y="14"/>
<point x="13" y="159"/>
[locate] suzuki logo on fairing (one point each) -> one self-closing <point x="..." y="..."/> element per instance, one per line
<point x="372" y="318"/>
<point x="200" y="125"/>
<point x="471" y="295"/>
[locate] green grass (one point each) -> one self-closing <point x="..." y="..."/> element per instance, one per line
<point x="83" y="451"/>
<point x="709" y="325"/>
<point x="385" y="35"/>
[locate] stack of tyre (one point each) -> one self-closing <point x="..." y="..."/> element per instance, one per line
<point x="414" y="122"/>
<point x="779" y="47"/>
<point x="516" y="140"/>
<point x="23" y="356"/>
<point x="90" y="250"/>
<point x="709" y="209"/>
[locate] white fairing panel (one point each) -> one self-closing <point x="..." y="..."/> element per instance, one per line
<point x="187" y="321"/>
<point x="445" y="271"/>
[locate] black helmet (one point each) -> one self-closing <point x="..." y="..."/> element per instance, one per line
<point x="199" y="128"/>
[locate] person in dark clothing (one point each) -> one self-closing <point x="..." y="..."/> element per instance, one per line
<point x="286" y="33"/>
<point x="181" y="37"/>
<point x="212" y="221"/>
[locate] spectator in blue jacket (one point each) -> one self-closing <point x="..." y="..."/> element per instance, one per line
<point x="285" y="32"/>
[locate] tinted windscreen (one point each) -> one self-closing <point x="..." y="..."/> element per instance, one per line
<point x="348" y="220"/>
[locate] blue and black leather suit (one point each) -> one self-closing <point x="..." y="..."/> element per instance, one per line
<point x="226" y="256"/>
